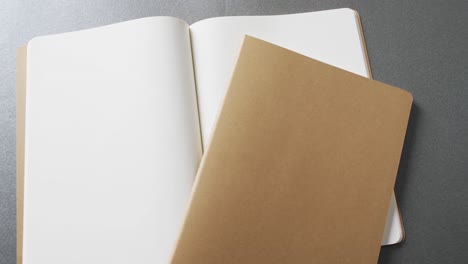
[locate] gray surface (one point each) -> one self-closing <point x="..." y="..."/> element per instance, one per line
<point x="419" y="45"/>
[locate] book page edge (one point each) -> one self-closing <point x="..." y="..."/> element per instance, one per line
<point x="364" y="47"/>
<point x="21" y="58"/>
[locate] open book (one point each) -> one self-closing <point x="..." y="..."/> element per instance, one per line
<point x="117" y="118"/>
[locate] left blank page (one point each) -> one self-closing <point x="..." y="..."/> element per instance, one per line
<point x="112" y="143"/>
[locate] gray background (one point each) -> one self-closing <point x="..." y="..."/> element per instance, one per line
<point x="417" y="45"/>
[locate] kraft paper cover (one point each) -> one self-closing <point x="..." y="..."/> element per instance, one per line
<point x="301" y="166"/>
<point x="20" y="122"/>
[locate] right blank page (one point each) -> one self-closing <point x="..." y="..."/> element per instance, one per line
<point x="333" y="37"/>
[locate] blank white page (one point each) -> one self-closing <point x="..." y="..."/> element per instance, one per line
<point x="332" y="36"/>
<point x="112" y="143"/>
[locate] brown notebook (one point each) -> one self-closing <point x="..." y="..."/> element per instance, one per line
<point x="301" y="166"/>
